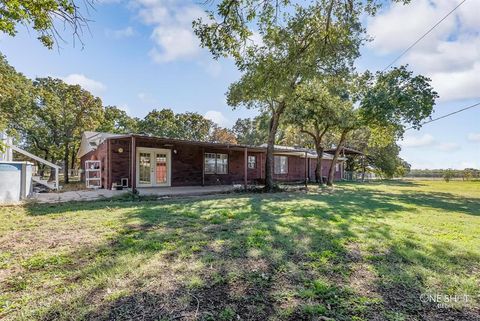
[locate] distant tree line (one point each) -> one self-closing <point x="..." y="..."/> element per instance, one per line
<point x="464" y="174"/>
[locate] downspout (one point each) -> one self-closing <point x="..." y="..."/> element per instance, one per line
<point x="134" y="164"/>
<point x="245" y="166"/>
<point x="306" y="170"/>
<point x="203" y="166"/>
<point x="110" y="164"/>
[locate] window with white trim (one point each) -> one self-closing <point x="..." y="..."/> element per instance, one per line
<point x="222" y="163"/>
<point x="252" y="162"/>
<point x="337" y="167"/>
<point x="216" y="163"/>
<point x="280" y="165"/>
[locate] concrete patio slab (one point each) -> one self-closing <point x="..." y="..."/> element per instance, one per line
<point x="186" y="190"/>
<point x="98" y="194"/>
<point x="83" y="195"/>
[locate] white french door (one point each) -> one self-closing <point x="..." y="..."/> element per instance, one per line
<point x="153" y="167"/>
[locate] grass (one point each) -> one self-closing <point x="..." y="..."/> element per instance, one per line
<point x="373" y="251"/>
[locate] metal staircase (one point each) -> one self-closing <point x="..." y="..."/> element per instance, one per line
<point x="44" y="182"/>
<point x="52" y="185"/>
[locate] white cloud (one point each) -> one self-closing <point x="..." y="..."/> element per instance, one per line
<point x="448" y="147"/>
<point x="449" y="55"/>
<point x="417" y="141"/>
<point x="173" y="43"/>
<point x="396" y="28"/>
<point x="474" y="137"/>
<point x="458" y="55"/>
<point x="457" y="84"/>
<point x="428" y="141"/>
<point x="172" y="33"/>
<point x="217" y="117"/>
<point x="153" y="15"/>
<point x="120" y="33"/>
<point x="256" y="39"/>
<point x="93" y="86"/>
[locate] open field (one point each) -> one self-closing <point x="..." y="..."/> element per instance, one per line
<point x="373" y="251"/>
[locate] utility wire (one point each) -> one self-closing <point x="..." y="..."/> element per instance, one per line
<point x="413" y="45"/>
<point x="423" y="36"/>
<point x="447" y="115"/>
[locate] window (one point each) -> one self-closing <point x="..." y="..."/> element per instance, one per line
<point x="337" y="167"/>
<point x="210" y="163"/>
<point x="222" y="163"/>
<point x="280" y="165"/>
<point x="216" y="163"/>
<point x="252" y="162"/>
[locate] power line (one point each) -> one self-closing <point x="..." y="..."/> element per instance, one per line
<point x="423" y="36"/>
<point x="447" y="115"/>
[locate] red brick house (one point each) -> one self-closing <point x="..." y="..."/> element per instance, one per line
<point x="146" y="161"/>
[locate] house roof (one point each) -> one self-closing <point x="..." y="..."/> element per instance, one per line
<point x="345" y="151"/>
<point x="299" y="151"/>
<point x="91" y="141"/>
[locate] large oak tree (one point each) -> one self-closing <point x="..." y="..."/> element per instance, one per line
<point x="278" y="45"/>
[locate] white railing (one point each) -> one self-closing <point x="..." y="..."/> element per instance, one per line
<point x="57" y="168"/>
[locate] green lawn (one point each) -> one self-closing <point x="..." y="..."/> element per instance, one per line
<point x="373" y="251"/>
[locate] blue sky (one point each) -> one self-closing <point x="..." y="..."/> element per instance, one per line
<point x="142" y="54"/>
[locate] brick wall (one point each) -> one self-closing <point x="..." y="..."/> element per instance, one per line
<point x="187" y="164"/>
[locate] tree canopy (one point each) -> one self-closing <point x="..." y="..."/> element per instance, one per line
<point x="222" y="135"/>
<point x="397" y="98"/>
<point x="309" y="44"/>
<point x="45" y="17"/>
<point x="251" y="131"/>
<point x="165" y="123"/>
<point x="232" y="26"/>
<point x="117" y="121"/>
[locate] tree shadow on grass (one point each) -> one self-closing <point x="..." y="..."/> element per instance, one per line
<point x="253" y="257"/>
<point x="402" y="272"/>
<point x="260" y="258"/>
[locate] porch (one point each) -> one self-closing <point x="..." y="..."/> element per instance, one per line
<point x="100" y="194"/>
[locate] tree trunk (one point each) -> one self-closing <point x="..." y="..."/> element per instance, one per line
<point x="318" y="168"/>
<point x="66" y="161"/>
<point x="269" y="183"/>
<point x="331" y="172"/>
<point x="41" y="169"/>
<point x="73" y="160"/>
<point x="317" y="137"/>
<point x="52" y="171"/>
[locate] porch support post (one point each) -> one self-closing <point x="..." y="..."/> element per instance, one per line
<point x="107" y="165"/>
<point x="306" y="170"/>
<point x="203" y="166"/>
<point x="261" y="166"/>
<point x="57" y="180"/>
<point x="245" y="173"/>
<point x="133" y="176"/>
